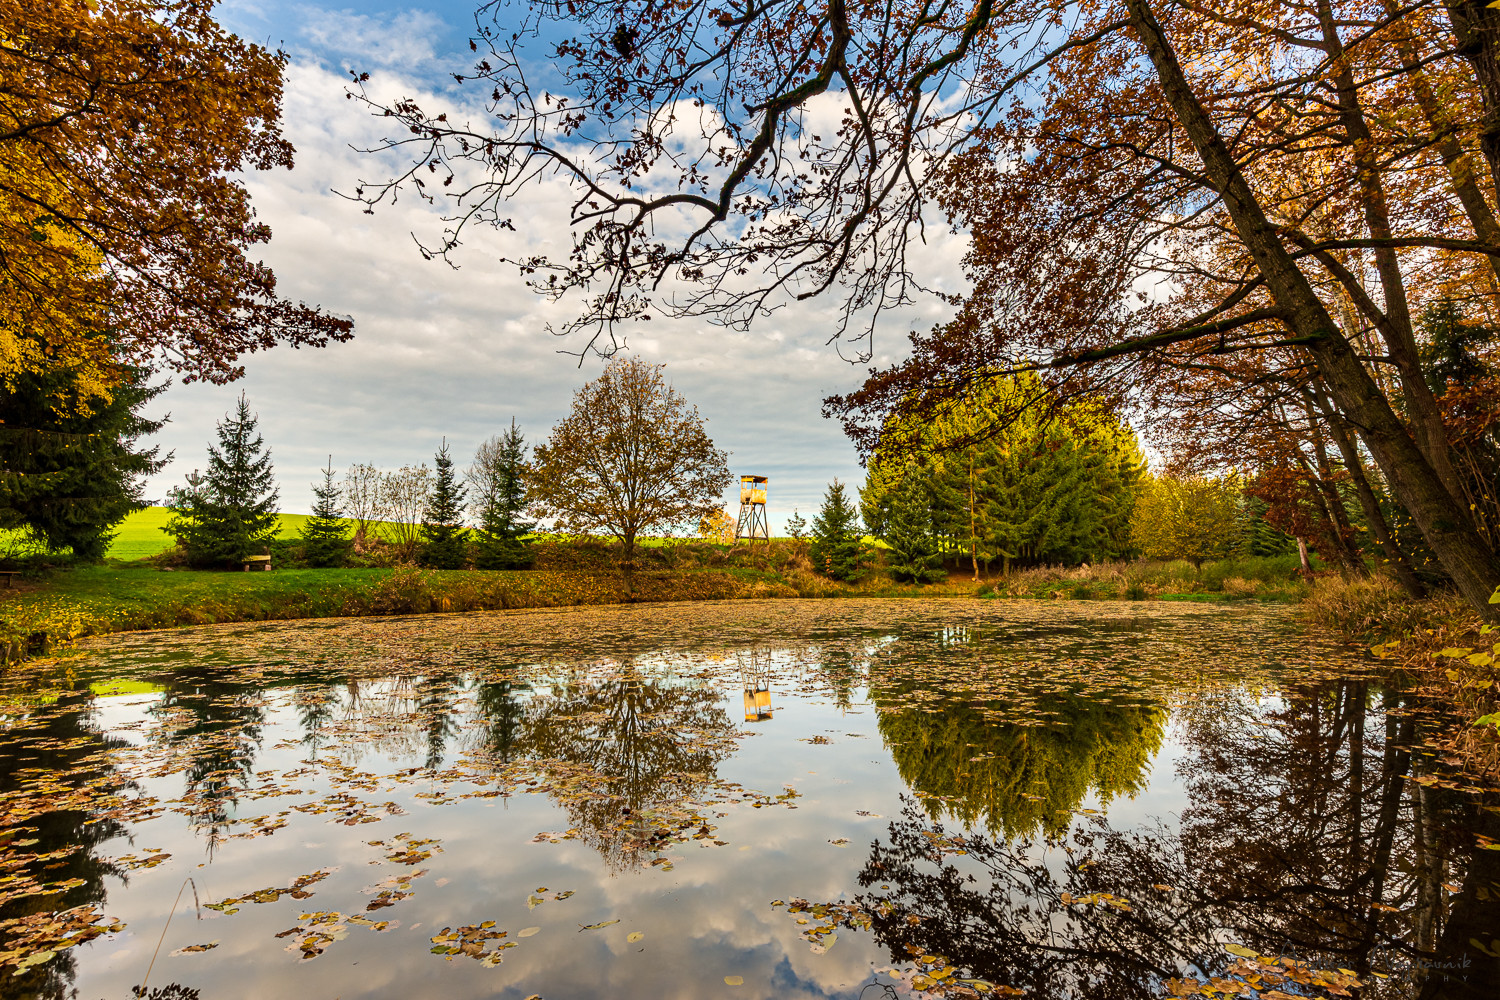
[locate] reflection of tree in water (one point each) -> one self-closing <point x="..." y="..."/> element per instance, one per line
<point x="1018" y="779"/>
<point x="658" y="740"/>
<point x="436" y="694"/>
<point x="217" y="721"/>
<point x="499" y="704"/>
<point x="1298" y="830"/>
<point x="63" y="745"/>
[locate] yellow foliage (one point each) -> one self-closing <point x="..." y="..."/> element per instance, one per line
<point x="1187" y="517"/>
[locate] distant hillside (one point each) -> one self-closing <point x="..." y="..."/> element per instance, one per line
<point x="140" y="534"/>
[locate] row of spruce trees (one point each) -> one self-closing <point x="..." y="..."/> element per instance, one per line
<point x="228" y="513"/>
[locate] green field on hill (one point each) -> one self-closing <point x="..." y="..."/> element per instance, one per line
<point x="140" y="534"/>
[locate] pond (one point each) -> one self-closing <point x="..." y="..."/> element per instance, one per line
<point x="793" y="799"/>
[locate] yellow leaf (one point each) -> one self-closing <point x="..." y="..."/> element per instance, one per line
<point x="634" y="936"/>
<point x="1240" y="950"/>
<point x="734" y="980"/>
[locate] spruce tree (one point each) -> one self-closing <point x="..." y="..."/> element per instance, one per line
<point x="228" y="514"/>
<point x="835" y="549"/>
<point x="498" y="477"/>
<point x="443" y="543"/>
<point x="325" y="535"/>
<point x="69" y="468"/>
<point x="910" y="531"/>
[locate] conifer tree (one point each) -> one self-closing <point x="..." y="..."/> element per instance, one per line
<point x="910" y="530"/>
<point x="796" y="526"/>
<point x="835" y="549"/>
<point x="498" y="479"/>
<point x="229" y="513"/>
<point x="443" y="535"/>
<point x="69" y="468"/>
<point x="325" y="535"/>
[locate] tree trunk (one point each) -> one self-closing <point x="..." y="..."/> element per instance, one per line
<point x="1444" y="524"/>
<point x="1426" y="416"/>
<point x="1476" y="28"/>
<point x="1405" y="575"/>
<point x="1445" y="136"/>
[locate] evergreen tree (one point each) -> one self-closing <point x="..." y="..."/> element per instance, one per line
<point x="444" y="545"/>
<point x="910" y="531"/>
<point x="796" y="526"/>
<point x="836" y="546"/>
<point x="69" y="468"/>
<point x="228" y="514"/>
<point x="498" y="478"/>
<point x="325" y="535"/>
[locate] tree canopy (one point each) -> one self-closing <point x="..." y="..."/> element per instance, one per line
<point x="1014" y="474"/>
<point x="1294" y="183"/>
<point x="123" y="125"/>
<point x="631" y="456"/>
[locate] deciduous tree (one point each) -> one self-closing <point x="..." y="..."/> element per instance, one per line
<point x="632" y="456"/>
<point x="124" y="127"/>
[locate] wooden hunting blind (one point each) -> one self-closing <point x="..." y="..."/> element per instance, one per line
<point x="752" y="523"/>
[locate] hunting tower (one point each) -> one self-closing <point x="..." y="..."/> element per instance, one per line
<point x="752" y="523"/>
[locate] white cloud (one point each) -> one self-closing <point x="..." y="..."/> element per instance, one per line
<point x="401" y="38"/>
<point x="440" y="352"/>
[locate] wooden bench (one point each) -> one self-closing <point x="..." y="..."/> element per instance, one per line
<point x="9" y="574"/>
<point x="262" y="562"/>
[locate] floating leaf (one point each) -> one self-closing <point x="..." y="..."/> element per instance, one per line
<point x="734" y="980"/>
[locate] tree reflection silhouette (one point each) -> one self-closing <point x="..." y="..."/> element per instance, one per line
<point x="656" y="741"/>
<point x="1018" y="780"/>
<point x="62" y="744"/>
<point x="1304" y="838"/>
<point x="217" y="722"/>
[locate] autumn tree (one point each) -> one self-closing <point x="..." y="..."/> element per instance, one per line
<point x="1255" y="165"/>
<point x="364" y="499"/>
<point x="125" y="126"/>
<point x="631" y="457"/>
<point x="229" y="513"/>
<point x="1188" y="517"/>
<point x="404" y="494"/>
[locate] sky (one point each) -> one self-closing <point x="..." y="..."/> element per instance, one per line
<point x="442" y="353"/>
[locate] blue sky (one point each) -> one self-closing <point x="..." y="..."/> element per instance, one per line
<point x="443" y="353"/>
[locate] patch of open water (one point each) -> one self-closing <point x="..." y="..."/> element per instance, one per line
<point x="800" y="799"/>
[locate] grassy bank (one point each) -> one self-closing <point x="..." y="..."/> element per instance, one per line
<point x="67" y="603"/>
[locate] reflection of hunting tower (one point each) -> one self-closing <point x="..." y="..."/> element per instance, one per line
<point x="752" y="523"/>
<point x="755" y="676"/>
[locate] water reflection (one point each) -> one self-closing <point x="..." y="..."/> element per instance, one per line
<point x="47" y="842"/>
<point x="1304" y="838"/>
<point x="421" y="790"/>
<point x="655" y="741"/>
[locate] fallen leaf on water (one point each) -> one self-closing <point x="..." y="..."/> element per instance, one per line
<point x="527" y="931"/>
<point x="194" y="948"/>
<point x="734" y="980"/>
<point x="634" y="936"/>
<point x="595" y="927"/>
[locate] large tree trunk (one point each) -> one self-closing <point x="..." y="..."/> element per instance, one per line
<point x="1421" y="404"/>
<point x="1445" y="136"/>
<point x="1443" y="523"/>
<point x="1368" y="502"/>
<point x="1476" y="28"/>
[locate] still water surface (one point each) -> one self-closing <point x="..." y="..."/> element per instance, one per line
<point x="740" y="800"/>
